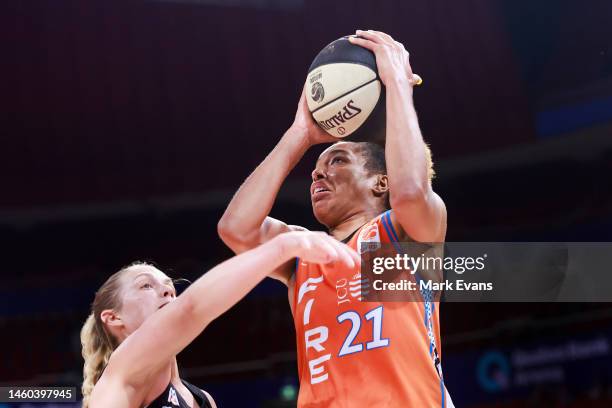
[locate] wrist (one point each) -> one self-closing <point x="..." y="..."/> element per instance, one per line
<point x="298" y="137"/>
<point x="400" y="82"/>
<point x="401" y="87"/>
<point x="285" y="247"/>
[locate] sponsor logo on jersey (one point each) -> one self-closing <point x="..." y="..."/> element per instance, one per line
<point x="369" y="239"/>
<point x="358" y="287"/>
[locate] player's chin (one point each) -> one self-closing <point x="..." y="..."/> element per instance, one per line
<point x="321" y="210"/>
<point x="319" y="205"/>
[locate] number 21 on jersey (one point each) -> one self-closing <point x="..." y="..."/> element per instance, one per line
<point x="376" y="316"/>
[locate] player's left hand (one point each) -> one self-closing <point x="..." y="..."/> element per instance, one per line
<point x="392" y="58"/>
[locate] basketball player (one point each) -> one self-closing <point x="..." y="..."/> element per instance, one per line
<point x="138" y="324"/>
<point x="351" y="353"/>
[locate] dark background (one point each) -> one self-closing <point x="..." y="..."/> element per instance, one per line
<point x="125" y="127"/>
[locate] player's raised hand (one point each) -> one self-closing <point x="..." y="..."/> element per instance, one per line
<point x="305" y="126"/>
<point x="318" y="247"/>
<point x="392" y="59"/>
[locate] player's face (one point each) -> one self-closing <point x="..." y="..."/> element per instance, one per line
<point x="145" y="290"/>
<point x="341" y="184"/>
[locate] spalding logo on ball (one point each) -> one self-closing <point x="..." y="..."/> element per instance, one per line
<point x="347" y="98"/>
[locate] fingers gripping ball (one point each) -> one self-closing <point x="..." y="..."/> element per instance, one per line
<point x="344" y="93"/>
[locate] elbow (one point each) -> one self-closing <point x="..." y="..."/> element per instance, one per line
<point x="231" y="234"/>
<point x="227" y="234"/>
<point x="228" y="230"/>
<point x="224" y="228"/>
<point x="193" y="313"/>
<point x="187" y="306"/>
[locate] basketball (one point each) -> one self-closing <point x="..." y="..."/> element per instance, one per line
<point x="345" y="94"/>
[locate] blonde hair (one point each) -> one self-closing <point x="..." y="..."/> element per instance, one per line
<point x="431" y="173"/>
<point x="97" y="344"/>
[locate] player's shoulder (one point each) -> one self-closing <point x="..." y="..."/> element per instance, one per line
<point x="395" y="231"/>
<point x="387" y="221"/>
<point x="391" y="225"/>
<point x="427" y="219"/>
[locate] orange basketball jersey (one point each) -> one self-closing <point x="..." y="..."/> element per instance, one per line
<point x="364" y="354"/>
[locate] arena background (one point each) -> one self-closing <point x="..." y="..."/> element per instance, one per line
<point x="127" y="126"/>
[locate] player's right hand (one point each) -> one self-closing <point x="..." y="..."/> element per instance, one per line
<point x="305" y="127"/>
<point x="318" y="247"/>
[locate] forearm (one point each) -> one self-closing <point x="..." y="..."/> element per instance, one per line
<point x="404" y="149"/>
<point x="254" y="199"/>
<point x="227" y="283"/>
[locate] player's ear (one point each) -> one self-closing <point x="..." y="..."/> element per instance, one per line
<point x="110" y="318"/>
<point x="381" y="185"/>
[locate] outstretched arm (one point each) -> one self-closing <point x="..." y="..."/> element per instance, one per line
<point x="245" y="223"/>
<point x="416" y="207"/>
<point x="164" y="334"/>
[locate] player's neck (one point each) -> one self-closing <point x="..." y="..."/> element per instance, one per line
<point x="349" y="225"/>
<point x="174" y="371"/>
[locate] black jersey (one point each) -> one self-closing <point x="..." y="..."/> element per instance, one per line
<point x="171" y="398"/>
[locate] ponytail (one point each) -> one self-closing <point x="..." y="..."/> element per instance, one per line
<point x="96" y="351"/>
